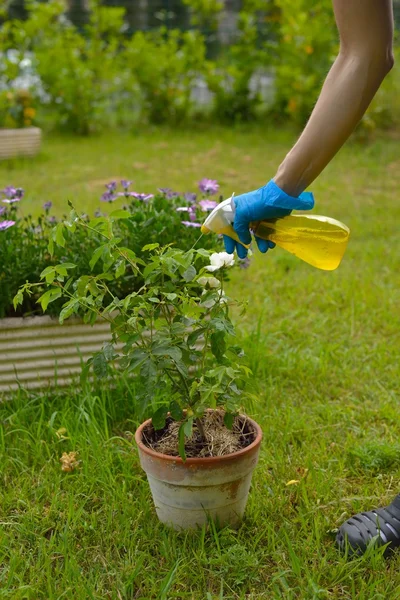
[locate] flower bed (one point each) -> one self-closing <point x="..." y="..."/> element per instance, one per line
<point x="24" y="242"/>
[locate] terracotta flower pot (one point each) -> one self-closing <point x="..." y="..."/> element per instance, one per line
<point x="187" y="494"/>
<point x="19" y="142"/>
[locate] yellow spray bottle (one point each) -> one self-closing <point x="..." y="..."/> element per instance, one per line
<point x="319" y="241"/>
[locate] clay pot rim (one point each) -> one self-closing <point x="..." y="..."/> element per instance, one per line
<point x="208" y="460"/>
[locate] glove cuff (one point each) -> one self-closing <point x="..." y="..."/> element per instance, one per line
<point x="280" y="199"/>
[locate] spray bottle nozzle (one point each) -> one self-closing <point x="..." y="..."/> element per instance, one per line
<point x="221" y="219"/>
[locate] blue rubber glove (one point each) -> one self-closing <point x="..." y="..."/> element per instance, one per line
<point x="268" y="202"/>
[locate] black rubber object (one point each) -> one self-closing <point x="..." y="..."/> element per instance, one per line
<point x="383" y="524"/>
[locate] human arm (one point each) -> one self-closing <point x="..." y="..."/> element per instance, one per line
<point x="365" y="57"/>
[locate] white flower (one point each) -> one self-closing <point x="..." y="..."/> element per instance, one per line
<point x="211" y="282"/>
<point x="219" y="260"/>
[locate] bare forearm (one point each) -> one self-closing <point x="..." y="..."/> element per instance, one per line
<point x="346" y="94"/>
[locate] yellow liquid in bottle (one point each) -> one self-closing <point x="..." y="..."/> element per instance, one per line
<point x="319" y="241"/>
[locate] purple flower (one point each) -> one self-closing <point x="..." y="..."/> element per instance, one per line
<point x="52" y="219"/>
<point x="189" y="197"/>
<point x="190" y="209"/>
<point x="208" y="186"/>
<point x="112" y="186"/>
<point x="9" y="191"/>
<point x="244" y="263"/>
<point x="98" y="213"/>
<point x="12" y="194"/>
<point x="47" y="205"/>
<point x="6" y="224"/>
<point x="165" y="191"/>
<point x="191" y="224"/>
<point x="108" y="197"/>
<point x="206" y="205"/>
<point x="2" y="209"/>
<point x="192" y="213"/>
<point x="142" y="197"/>
<point x="125" y="183"/>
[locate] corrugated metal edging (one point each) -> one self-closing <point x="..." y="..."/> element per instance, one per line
<point x="19" y="142"/>
<point x="38" y="352"/>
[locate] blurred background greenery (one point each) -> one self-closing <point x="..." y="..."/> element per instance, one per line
<point x="86" y="66"/>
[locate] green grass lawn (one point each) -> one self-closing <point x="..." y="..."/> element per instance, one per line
<point x="324" y="348"/>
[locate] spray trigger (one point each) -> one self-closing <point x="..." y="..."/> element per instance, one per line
<point x="221" y="219"/>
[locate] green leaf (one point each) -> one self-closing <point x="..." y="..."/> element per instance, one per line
<point x="231" y="373"/>
<point x="150" y="268"/>
<point x="131" y="256"/>
<point x="159" y="417"/>
<point x="188" y="427"/>
<point x="203" y="252"/>
<point x="148" y="370"/>
<point x="58" y="235"/>
<point x="137" y="358"/>
<point x="95" y="256"/>
<point x="189" y="274"/>
<point x="176" y="411"/>
<point x="172" y="296"/>
<point x="82" y="283"/>
<point x="18" y="298"/>
<point x="194" y="336"/>
<point x="120" y="214"/>
<point x="62" y="269"/>
<point x="68" y="310"/>
<point x="121" y="268"/>
<point x="182" y="368"/>
<point x="218" y="345"/>
<point x="49" y="273"/>
<point x="221" y="324"/>
<point x="228" y="420"/>
<point x="48" y="297"/>
<point x="150" y="247"/>
<point x="172" y="351"/>
<point x="94" y="288"/>
<point x="100" y="366"/>
<point x="108" y="351"/>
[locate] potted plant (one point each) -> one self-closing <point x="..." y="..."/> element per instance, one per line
<point x="18" y="134"/>
<point x="175" y="334"/>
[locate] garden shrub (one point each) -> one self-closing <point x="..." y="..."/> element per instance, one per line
<point x="165" y="64"/>
<point x="81" y="71"/>
<point x="307" y="46"/>
<point x="231" y="76"/>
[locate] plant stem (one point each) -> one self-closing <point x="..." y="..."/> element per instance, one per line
<point x="201" y="429"/>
